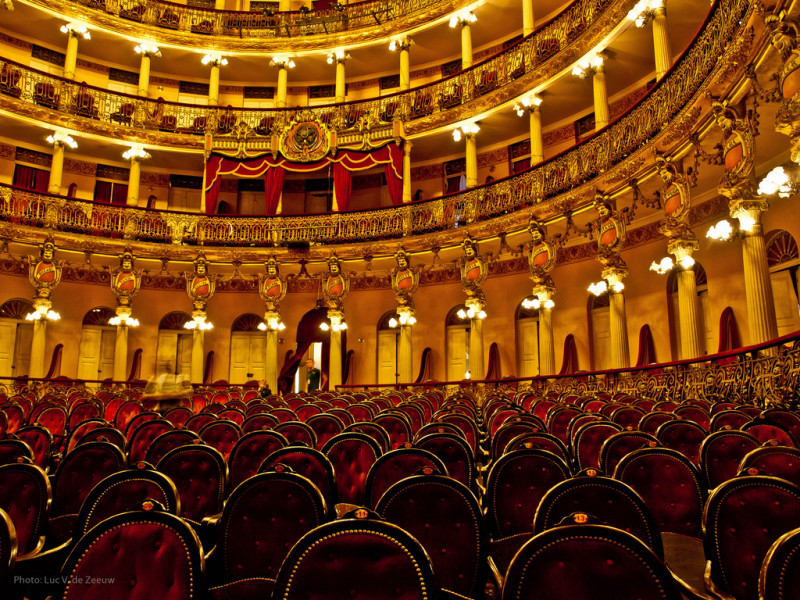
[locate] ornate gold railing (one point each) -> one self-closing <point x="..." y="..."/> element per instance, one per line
<point x="766" y="375"/>
<point x="546" y="180"/>
<point x="95" y="106"/>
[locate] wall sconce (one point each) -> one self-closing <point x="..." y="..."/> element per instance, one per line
<point x="147" y="49"/>
<point x="272" y="324"/>
<point x="59" y="138"/>
<point x="76" y="29"/>
<point x="124" y="320"/>
<point x="465" y="17"/>
<point x="467" y="129"/>
<point x="282" y="62"/>
<point x="215" y="59"/>
<point x="535" y="303"/>
<point x="667" y="264"/>
<point x="526" y="103"/>
<point x="588" y="65"/>
<point x="335" y="327"/>
<point x="42" y="312"/>
<point x="470" y="313"/>
<point x="199" y="323"/>
<point x="722" y="231"/>
<point x="776" y="182"/>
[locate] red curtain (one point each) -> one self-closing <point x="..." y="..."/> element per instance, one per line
<point x="120" y="194"/>
<point x="647" y="349"/>
<point x="570" y="362"/>
<point x="29" y="178"/>
<point x="102" y="192"/>
<point x="395" y="185"/>
<point x="273" y="186"/>
<point x="342" y="185"/>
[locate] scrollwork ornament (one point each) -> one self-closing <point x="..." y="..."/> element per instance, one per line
<point x="44" y="273"/>
<point x="125" y="281"/>
<point x="405" y="279"/>
<point x="272" y="286"/>
<point x="200" y="285"/>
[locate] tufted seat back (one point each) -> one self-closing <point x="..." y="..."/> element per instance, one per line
<point x="611" y="502"/>
<point x="516" y="483"/>
<point x="81" y="430"/>
<point x="311" y="464"/>
<point x="126" y="411"/>
<point x="258" y="421"/>
<point x="200" y="420"/>
<point x="136" y="555"/>
<point x="167" y="441"/>
<point x="651" y="421"/>
<point x="510" y="429"/>
<point x="670" y="486"/>
<point x="352" y="454"/>
<point x="540" y="440"/>
<point x="780" y="574"/>
<point x="360" y="412"/>
<point x="398" y="429"/>
<point x="395" y="466"/>
<point x="466" y="425"/>
<point x="83" y="411"/>
<point x="54" y="419"/>
<point x="107" y="434"/>
<point x="777" y="461"/>
<point x="178" y="415"/>
<point x="25" y="495"/>
<point x="263" y="519"/>
<point x="221" y="435"/>
<point x="627" y="416"/>
<point x="695" y="414"/>
<point x="250" y="451"/>
<point x="143" y="436"/>
<point x="683" y="436"/>
<point x="358" y="559"/>
<point x="373" y="430"/>
<point x="305" y="412"/>
<point x="121" y="492"/>
<point x="720" y="455"/>
<point x="415" y="414"/>
<point x="232" y="414"/>
<point x="588" y="441"/>
<point x="446" y="519"/>
<point x="15" y="415"/>
<point x="743" y="518"/>
<point x="40" y="441"/>
<point x="11" y="450"/>
<point x="558" y="421"/>
<point x="787" y="419"/>
<point x="80" y="471"/>
<point x="733" y="419"/>
<point x="325" y="426"/>
<point x="297" y="431"/>
<point x="620" y="444"/>
<point x="591" y="562"/>
<point x="452" y="449"/>
<point x="201" y="476"/>
<point x="765" y="431"/>
<point x="283" y="414"/>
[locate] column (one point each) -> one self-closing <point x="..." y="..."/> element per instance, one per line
<point x="687" y="297"/>
<point x="198" y="355"/>
<point x="466" y="45"/>
<point x="407" y="171"/>
<point x="527" y="17"/>
<point x="620" y="354"/>
<point x="535" y="118"/>
<point x="271" y="360"/>
<point x="36" y="369"/>
<point x="601" y="113"/>
<point x="405" y="368"/>
<point x="405" y="64"/>
<point x="284" y="63"/>
<point x="146" y="50"/>
<point x="56" y="169"/>
<point x="121" y="352"/>
<point x="341" y="86"/>
<point x="471" y="159"/>
<point x="663" y="52"/>
<point x="477" y="368"/>
<point x="73" y="30"/>
<point x="761" y="318"/>
<point x="547" y="350"/>
<point x="215" y="60"/>
<point x="135" y="155"/>
<point x="335" y="363"/>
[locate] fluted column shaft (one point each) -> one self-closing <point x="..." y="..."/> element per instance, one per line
<point x="477" y="369"/>
<point x="271" y="360"/>
<point x="144" y="75"/>
<point x="134" y="177"/>
<point x="620" y="354"/>
<point x="527" y="17"/>
<point x="36" y="369"/>
<point x="763" y="324"/>
<point x="335" y="361"/>
<point x="56" y="169"/>
<point x="340" y="82"/>
<point x="687" y="313"/>
<point x="71" y="59"/>
<point x="663" y="53"/>
<point x="121" y="353"/>
<point x="466" y="46"/>
<point x="547" y="350"/>
<point x="283" y="87"/>
<point x="198" y="354"/>
<point x="471" y="160"/>
<point x="407" y="171"/>
<point x="404" y="365"/>
<point x="600" y="92"/>
<point x="537" y="143"/>
<point x="405" y="68"/>
<point x="213" y="85"/>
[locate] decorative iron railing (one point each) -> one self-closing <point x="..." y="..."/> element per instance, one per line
<point x="766" y="375"/>
<point x="546" y="180"/>
<point x="84" y="106"/>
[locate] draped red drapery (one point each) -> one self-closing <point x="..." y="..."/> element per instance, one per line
<point x="344" y="162"/>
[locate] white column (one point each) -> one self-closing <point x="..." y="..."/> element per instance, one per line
<point x="663" y="53"/>
<point x="405" y="65"/>
<point x="687" y="297"/>
<point x="341" y="86"/>
<point x="547" y="352"/>
<point x="72" y="56"/>
<point x="335" y="361"/>
<point x="601" y="112"/>
<point x="144" y="76"/>
<point x="477" y="370"/>
<point x="466" y="45"/>
<point x="56" y="169"/>
<point x="471" y="160"/>
<point x="407" y="171"/>
<point x="271" y="360"/>
<point x="282" y="91"/>
<point x="405" y="367"/>
<point x="198" y="355"/>
<point x="527" y="17"/>
<point x="135" y="155"/>
<point x="36" y="369"/>
<point x="537" y="143"/>
<point x="213" y="85"/>
<point x="121" y="353"/>
<point x="620" y="352"/>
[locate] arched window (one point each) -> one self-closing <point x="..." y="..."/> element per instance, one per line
<point x="783" y="261"/>
<point x="457" y="345"/>
<point x="705" y="325"/>
<point x="16" y="335"/>
<point x="248" y="349"/>
<point x="174" y="350"/>
<point x="388" y="342"/>
<point x="600" y="329"/>
<point x="97" y="346"/>
<point x="527" y="328"/>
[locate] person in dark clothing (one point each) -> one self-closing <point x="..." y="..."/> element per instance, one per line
<point x="312" y="376"/>
<point x="264" y="389"/>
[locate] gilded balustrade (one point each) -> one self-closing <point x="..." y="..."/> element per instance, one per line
<point x="571" y="169"/>
<point x="89" y="108"/>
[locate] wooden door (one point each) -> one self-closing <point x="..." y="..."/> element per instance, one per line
<point x="528" y="347"/>
<point x="601" y="338"/>
<point x="456" y="352"/>
<point x="387" y="348"/>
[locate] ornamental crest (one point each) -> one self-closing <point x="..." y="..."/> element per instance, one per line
<point x="272" y="286"/>
<point x="305" y="139"/>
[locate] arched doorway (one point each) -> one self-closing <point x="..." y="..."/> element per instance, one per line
<point x="783" y="260"/>
<point x="174" y="350"/>
<point x="457" y="332"/>
<point x="527" y="328"/>
<point x="248" y="349"/>
<point x="16" y="335"/>
<point x="98" y="340"/>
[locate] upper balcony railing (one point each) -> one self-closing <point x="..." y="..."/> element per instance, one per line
<point x="65" y="102"/>
<point x="302" y="29"/>
<point x="578" y="166"/>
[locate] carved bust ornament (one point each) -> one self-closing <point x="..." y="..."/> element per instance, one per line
<point x="125" y="281"/>
<point x="335" y="284"/>
<point x="272" y="286"/>
<point x="543" y="253"/>
<point x="405" y="280"/>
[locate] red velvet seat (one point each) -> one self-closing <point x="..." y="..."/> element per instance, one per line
<point x="325" y="426"/>
<point x="138" y="554"/>
<point x="398" y="427"/>
<point x="105" y="434"/>
<point x="373" y="430"/>
<point x="670" y="486"/>
<point x="342" y="414"/>
<point x="221" y="435"/>
<point x="361" y="412"/>
<point x="40" y="441"/>
<point x="444" y="516"/>
<point x="765" y="430"/>
<point x="232" y="414"/>
<point x="627" y="416"/>
<point x="356" y="558"/>
<point x="352" y="454"/>
<point x="438" y="427"/>
<point x="143" y="437"/>
<point x="25" y="495"/>
<point x="452" y="449"/>
<point x="8" y="550"/>
<point x="178" y="415"/>
<point x="11" y="450"/>
<point x="466" y="424"/>
<point x="395" y="466"/>
<point x="651" y="421"/>
<point x="258" y="421"/>
<point x="415" y="414"/>
<point x="283" y="414"/>
<point x="620" y="444"/>
<point x="743" y="518"/>
<point x="83" y="411"/>
<point x="588" y="441"/>
<point x="311" y="464"/>
<point x="126" y="412"/>
<point x="780" y="573"/>
<point x="510" y="429"/>
<point x="54" y="419"/>
<point x="200" y="474"/>
<point x="776" y="461"/>
<point x="695" y="414"/>
<point x="251" y="451"/>
<point x="297" y="431"/>
<point x="559" y="419"/>
<point x="787" y="419"/>
<point x="610" y="501"/>
<point x="590" y="562"/>
<point x="540" y="440"/>
<point x="732" y="419"/>
<point x="255" y="532"/>
<point x="15" y="416"/>
<point x="720" y="455"/>
<point x="683" y="436"/>
<point x="307" y="411"/>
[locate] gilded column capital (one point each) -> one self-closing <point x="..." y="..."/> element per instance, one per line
<point x="614" y="276"/>
<point x="748" y="213"/>
<point x="683" y="248"/>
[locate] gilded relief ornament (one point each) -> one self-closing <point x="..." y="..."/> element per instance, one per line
<point x="677" y="200"/>
<point x="737" y="151"/>
<point x="405" y="280"/>
<point x="787" y="118"/>
<point x="543" y="254"/>
<point x="200" y="286"/>
<point x="44" y="273"/>
<point x="125" y="281"/>
<point x="305" y="139"/>
<point x="272" y="286"/>
<point x="335" y="284"/>
<point x="473" y="269"/>
<point x="612" y="233"/>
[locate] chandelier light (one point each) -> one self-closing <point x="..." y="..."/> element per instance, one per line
<point x="199" y="324"/>
<point x="135" y="153"/>
<point x="664" y="266"/>
<point x="124" y="320"/>
<point x="466" y="130"/>
<point x="471" y="313"/>
<point x="526" y="102"/>
<point x="776" y="182"/>
<point x="338" y="56"/>
<point x="643" y="10"/>
<point x="282" y="61"/>
<point x="599" y="288"/>
<point x="588" y="65"/>
<point x="274" y="324"/>
<point x="147" y="49"/>
<point x="76" y="29"/>
<point x="59" y="138"/>
<point x="465" y="17"/>
<point x="214" y="59"/>
<point x="43" y="313"/>
<point x="721" y="231"/>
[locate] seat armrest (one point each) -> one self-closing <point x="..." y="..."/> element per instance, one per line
<point x="712" y="587"/>
<point x="497" y="577"/>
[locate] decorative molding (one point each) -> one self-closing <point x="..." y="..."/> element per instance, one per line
<point x="427" y="172"/>
<point x="252" y="92"/>
<point x="560" y="135"/>
<point x="80" y="167"/>
<point x="92" y="66"/>
<point x="33" y="157"/>
<point x="116" y="173"/>
<point x="123" y="76"/>
<point x="495" y="157"/>
<point x="155" y="179"/>
<point x="7" y="151"/>
<point x="46" y="54"/>
<point x="15" y="42"/>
